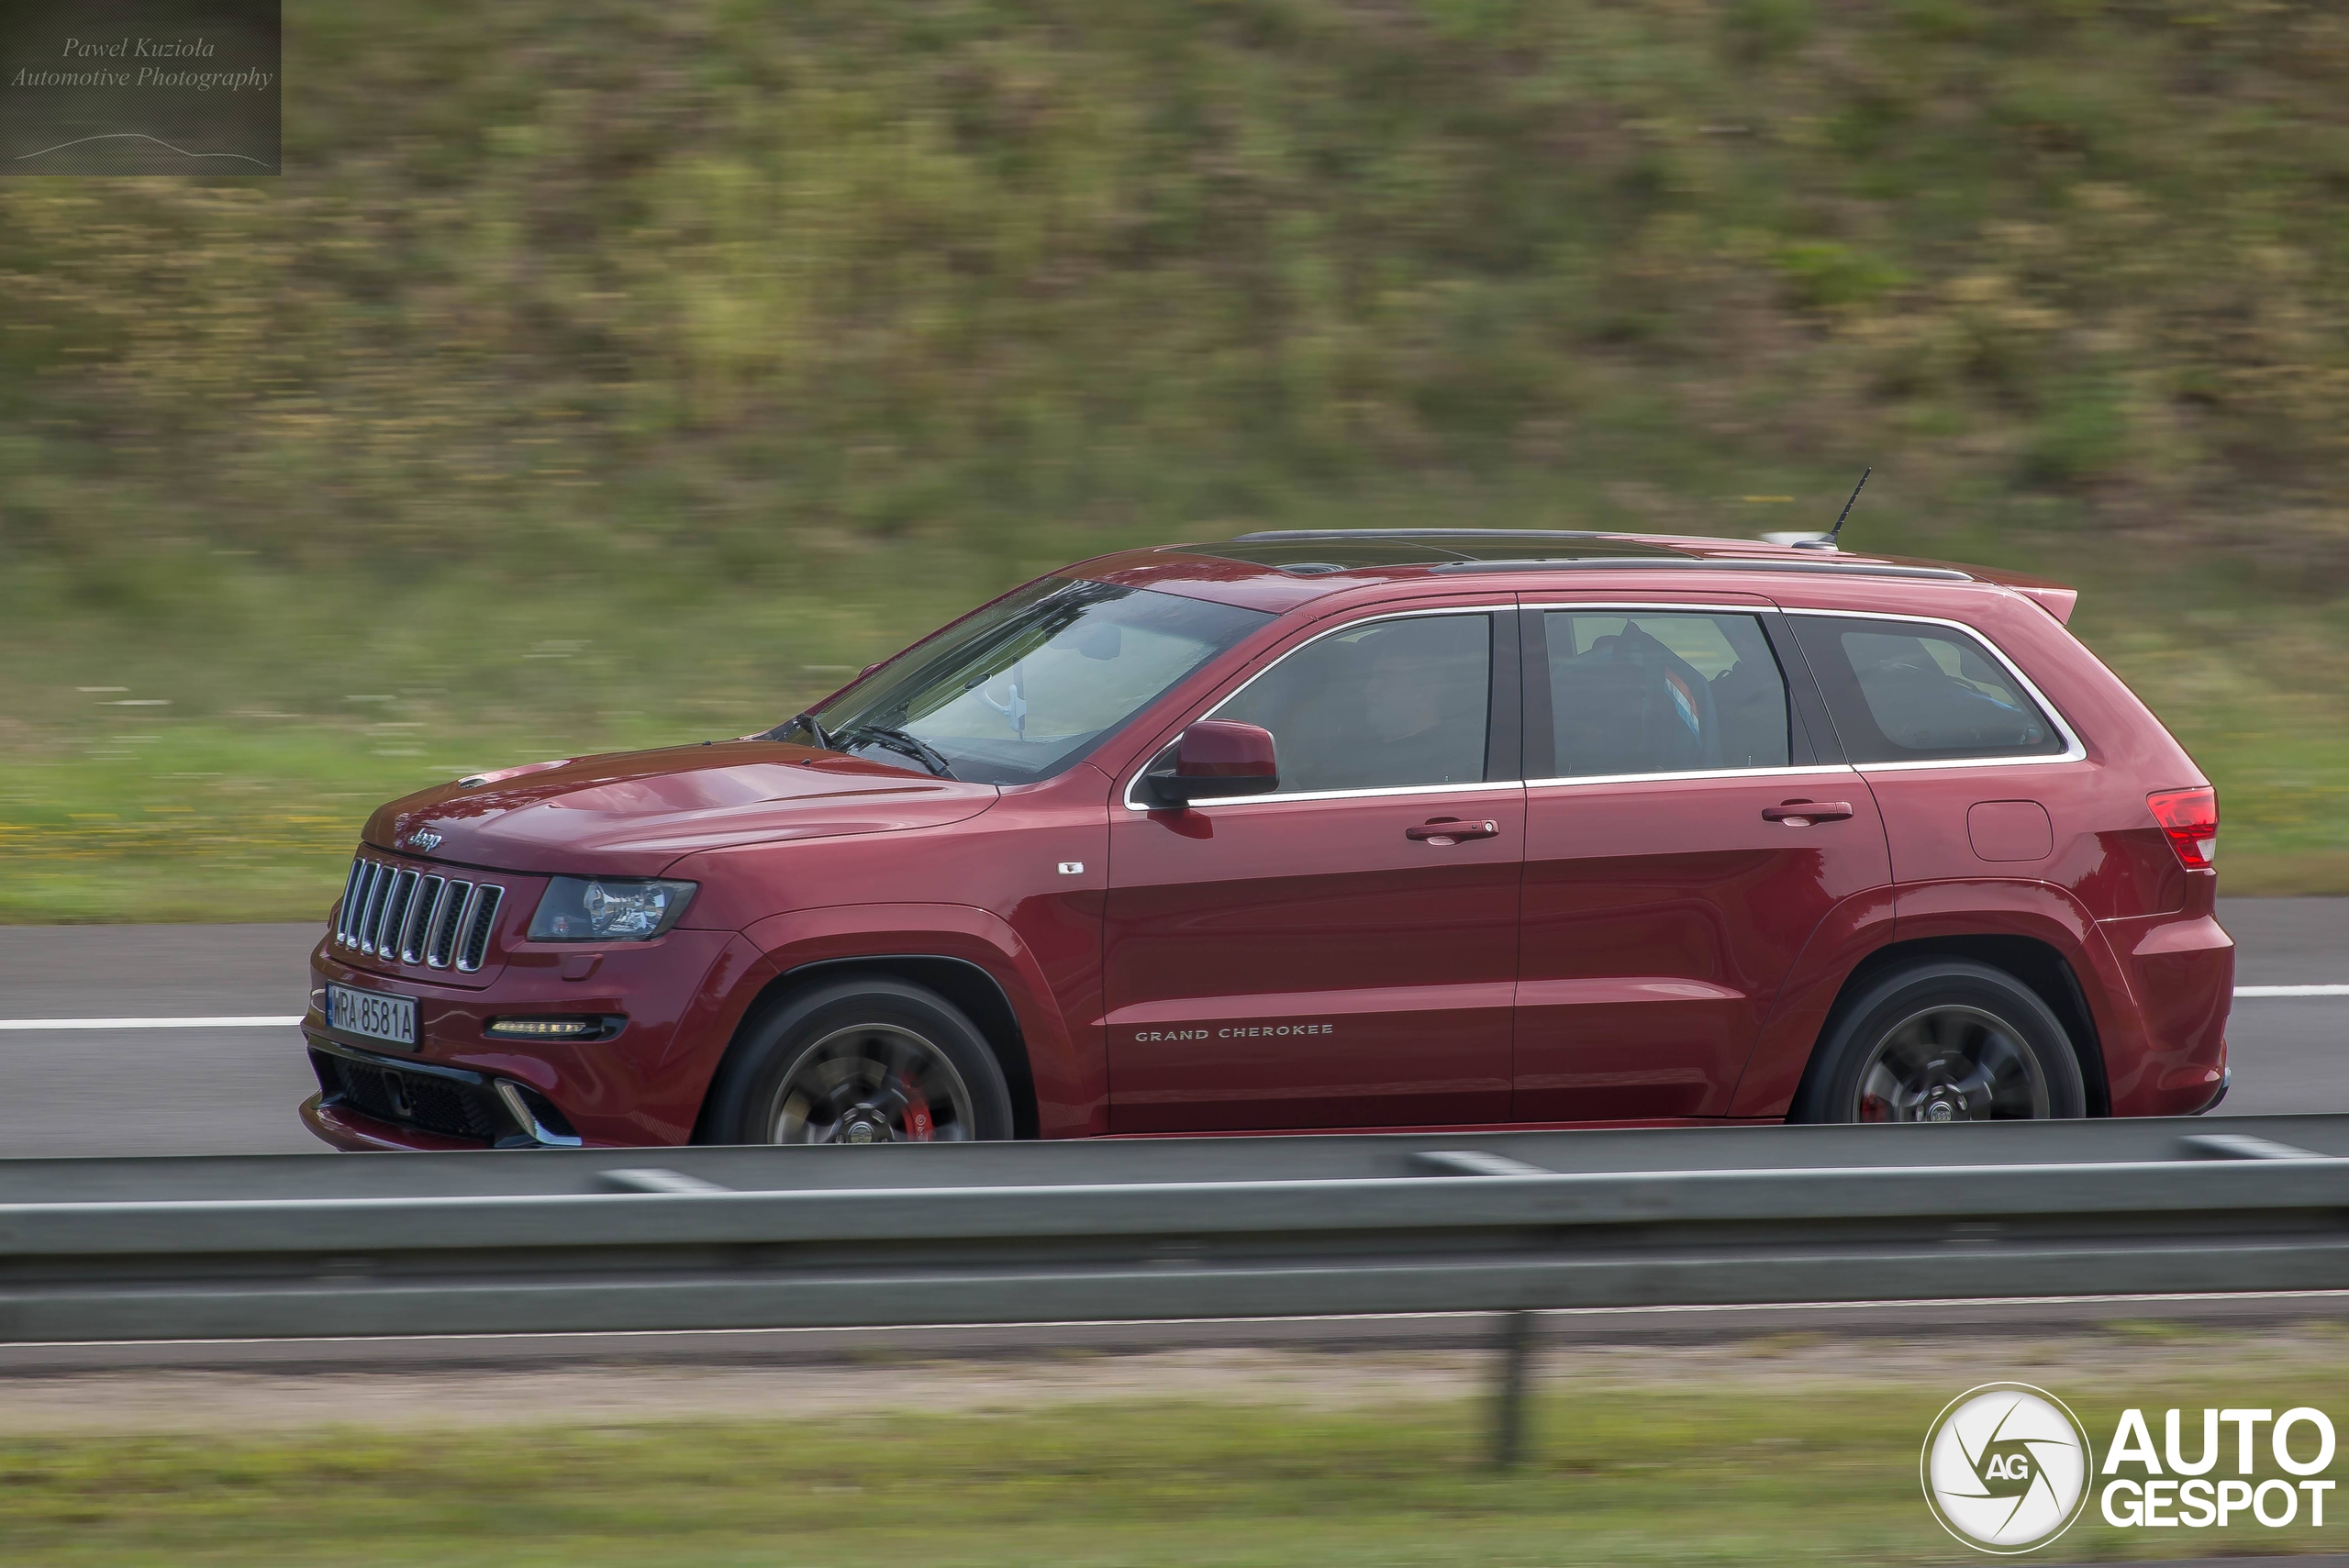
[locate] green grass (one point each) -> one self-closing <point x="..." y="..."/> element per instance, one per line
<point x="275" y="719"/>
<point x="1684" y="1473"/>
<point x="598" y="367"/>
<point x="236" y="787"/>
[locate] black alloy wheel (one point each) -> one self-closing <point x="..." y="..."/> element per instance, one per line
<point x="1943" y="1040"/>
<point x="860" y="1061"/>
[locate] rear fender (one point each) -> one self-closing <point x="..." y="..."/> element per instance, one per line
<point x="1965" y="911"/>
<point x="1843" y="937"/>
<point x="2044" y="913"/>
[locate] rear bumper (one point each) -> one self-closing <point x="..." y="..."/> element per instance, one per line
<point x="2176" y="973"/>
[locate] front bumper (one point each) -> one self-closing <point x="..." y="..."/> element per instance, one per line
<point x="368" y="1100"/>
<point x="640" y="1085"/>
<point x="342" y="1128"/>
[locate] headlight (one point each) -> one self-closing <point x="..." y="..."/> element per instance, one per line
<point x="607" y="909"/>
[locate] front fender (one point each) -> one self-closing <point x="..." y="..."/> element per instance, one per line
<point x="1068" y="1063"/>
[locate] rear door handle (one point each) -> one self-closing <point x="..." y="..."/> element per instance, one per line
<point x="1803" y="812"/>
<point x="1445" y="830"/>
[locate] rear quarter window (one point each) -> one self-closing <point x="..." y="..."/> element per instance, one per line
<point x="1908" y="691"/>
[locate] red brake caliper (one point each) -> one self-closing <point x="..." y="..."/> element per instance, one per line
<point x="919" y="1126"/>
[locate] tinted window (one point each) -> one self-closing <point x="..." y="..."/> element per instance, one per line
<point x="1901" y="692"/>
<point x="1024" y="687"/>
<point x="1662" y="693"/>
<point x="1390" y="704"/>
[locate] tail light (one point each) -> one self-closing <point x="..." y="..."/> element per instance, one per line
<point x="2190" y="818"/>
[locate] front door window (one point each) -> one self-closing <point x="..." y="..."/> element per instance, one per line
<point x="1383" y="705"/>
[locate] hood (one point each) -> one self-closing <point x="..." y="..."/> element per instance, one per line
<point x="636" y="813"/>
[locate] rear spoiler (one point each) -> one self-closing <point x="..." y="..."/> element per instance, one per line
<point x="2055" y="601"/>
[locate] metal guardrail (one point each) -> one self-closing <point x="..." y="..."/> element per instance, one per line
<point x="588" y="1241"/>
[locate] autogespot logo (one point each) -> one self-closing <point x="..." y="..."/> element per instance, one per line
<point x="2007" y="1467"/>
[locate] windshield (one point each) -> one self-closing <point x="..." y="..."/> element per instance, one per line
<point x="1026" y="686"/>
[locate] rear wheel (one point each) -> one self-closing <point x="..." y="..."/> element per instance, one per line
<point x="1943" y="1040"/>
<point x="865" y="1060"/>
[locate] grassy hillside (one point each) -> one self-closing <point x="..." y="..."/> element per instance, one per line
<point x="614" y="372"/>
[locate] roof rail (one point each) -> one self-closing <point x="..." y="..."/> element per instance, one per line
<point x="1703" y="563"/>
<point x="1284" y="534"/>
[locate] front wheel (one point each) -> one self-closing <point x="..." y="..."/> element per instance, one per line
<point x="866" y="1060"/>
<point x="1946" y="1040"/>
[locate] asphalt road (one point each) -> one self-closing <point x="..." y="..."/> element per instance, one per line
<point x="205" y="1091"/>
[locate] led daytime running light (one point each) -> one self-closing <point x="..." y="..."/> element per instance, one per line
<point x="544" y="1028"/>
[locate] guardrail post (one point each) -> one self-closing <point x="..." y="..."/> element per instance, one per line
<point x="1508" y="1396"/>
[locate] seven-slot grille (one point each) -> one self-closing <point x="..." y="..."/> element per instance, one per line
<point x="417" y="918"/>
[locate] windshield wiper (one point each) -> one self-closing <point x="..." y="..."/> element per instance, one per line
<point x="805" y="721"/>
<point x="897" y="739"/>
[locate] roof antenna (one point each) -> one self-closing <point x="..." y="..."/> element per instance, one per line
<point x="1829" y="541"/>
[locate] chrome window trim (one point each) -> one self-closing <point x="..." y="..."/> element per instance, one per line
<point x="2075" y="755"/>
<point x="2074" y="749"/>
<point x="1383" y="790"/>
<point x="1233" y="696"/>
<point x="1650" y="606"/>
<point x="1694" y="774"/>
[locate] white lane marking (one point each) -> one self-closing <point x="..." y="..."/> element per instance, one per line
<point x="237" y="1023"/>
<point x="2253" y="991"/>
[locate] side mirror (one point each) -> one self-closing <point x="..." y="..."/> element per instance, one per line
<point x="1212" y="758"/>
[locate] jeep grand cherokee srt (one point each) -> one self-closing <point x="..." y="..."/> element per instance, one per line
<point x="1330" y="829"/>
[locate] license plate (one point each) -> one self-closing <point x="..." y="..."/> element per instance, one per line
<point x="373" y="1014"/>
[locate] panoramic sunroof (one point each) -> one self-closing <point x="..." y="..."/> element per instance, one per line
<point x="1309" y="553"/>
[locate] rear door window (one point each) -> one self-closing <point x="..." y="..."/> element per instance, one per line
<point x="1634" y="692"/>
<point x="1386" y="705"/>
<point x="1910" y="691"/>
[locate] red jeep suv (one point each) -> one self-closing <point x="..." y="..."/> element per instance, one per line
<point x="1369" y="829"/>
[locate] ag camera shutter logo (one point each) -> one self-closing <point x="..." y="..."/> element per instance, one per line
<point x="2006" y="1467"/>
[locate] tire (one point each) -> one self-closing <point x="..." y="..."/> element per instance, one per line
<point x="1943" y="1040"/>
<point x="860" y="1061"/>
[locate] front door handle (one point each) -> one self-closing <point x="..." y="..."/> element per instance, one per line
<point x="1446" y="830"/>
<point x="1803" y="812"/>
